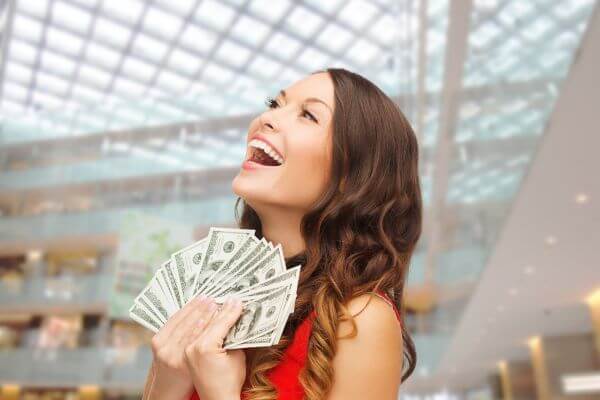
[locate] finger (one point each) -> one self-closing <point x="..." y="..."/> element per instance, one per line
<point x="227" y="317"/>
<point x="186" y="328"/>
<point x="202" y="324"/>
<point x="181" y="314"/>
<point x="172" y="326"/>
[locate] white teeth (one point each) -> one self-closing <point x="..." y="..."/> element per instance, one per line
<point x="267" y="149"/>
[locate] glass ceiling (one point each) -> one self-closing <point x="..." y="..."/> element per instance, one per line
<point x="185" y="78"/>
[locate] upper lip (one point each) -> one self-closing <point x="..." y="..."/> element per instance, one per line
<point x="264" y="139"/>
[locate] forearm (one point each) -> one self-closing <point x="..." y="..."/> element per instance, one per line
<point x="149" y="382"/>
<point x="155" y="388"/>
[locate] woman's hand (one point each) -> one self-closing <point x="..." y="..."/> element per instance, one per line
<point x="218" y="374"/>
<point x="171" y="377"/>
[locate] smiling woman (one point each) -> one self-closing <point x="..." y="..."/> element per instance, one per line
<point x="331" y="174"/>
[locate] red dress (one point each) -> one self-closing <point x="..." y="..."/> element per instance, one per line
<point x="284" y="376"/>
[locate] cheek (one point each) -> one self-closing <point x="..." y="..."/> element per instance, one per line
<point x="307" y="174"/>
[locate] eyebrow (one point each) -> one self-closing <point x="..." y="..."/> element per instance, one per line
<point x="313" y="99"/>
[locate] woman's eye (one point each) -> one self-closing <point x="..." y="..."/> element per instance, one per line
<point x="272" y="103"/>
<point x="309" y="115"/>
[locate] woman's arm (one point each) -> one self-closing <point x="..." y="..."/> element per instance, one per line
<point x="369" y="365"/>
<point x="169" y="376"/>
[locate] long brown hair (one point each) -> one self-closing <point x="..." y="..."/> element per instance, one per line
<point x="359" y="236"/>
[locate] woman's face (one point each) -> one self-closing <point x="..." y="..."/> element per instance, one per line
<point x="299" y="131"/>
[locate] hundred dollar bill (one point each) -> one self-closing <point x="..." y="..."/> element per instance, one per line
<point x="267" y="267"/>
<point x="143" y="318"/>
<point x="186" y="263"/>
<point x="152" y="295"/>
<point x="162" y="280"/>
<point x="263" y="340"/>
<point x="142" y="302"/>
<point x="250" y="243"/>
<point x="288" y="277"/>
<point x="255" y="254"/>
<point x="222" y="244"/>
<point x="171" y="278"/>
<point x="258" y="317"/>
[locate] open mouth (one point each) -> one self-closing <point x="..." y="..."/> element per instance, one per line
<point x="260" y="157"/>
<point x="262" y="153"/>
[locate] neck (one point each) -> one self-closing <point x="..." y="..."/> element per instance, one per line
<point x="283" y="227"/>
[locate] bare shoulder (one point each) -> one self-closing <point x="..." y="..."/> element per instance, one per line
<point x="374" y="315"/>
<point x="377" y="344"/>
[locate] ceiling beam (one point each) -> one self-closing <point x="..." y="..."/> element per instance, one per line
<point x="6" y="22"/>
<point x="458" y="33"/>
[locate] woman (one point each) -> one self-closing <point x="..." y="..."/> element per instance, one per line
<point x="344" y="201"/>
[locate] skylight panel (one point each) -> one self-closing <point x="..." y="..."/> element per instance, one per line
<point x="17" y="72"/>
<point x="14" y="91"/>
<point x="25" y="27"/>
<point x="283" y="45"/>
<point x="537" y="28"/>
<point x="218" y="74"/>
<point x="22" y="51"/>
<point x="129" y="14"/>
<point x="150" y="47"/>
<point x="215" y="14"/>
<point x="233" y="53"/>
<point x="94" y="76"/>
<point x="57" y="63"/>
<point x="264" y="67"/>
<point x="341" y="35"/>
<point x="51" y="83"/>
<point x="172" y="82"/>
<point x="128" y="88"/>
<point x="72" y="17"/>
<point x="86" y="94"/>
<point x="304" y="22"/>
<point x="487" y="32"/>
<point x="37" y="8"/>
<point x="362" y="52"/>
<point x="111" y="32"/>
<point x="141" y="70"/>
<point x="250" y="30"/>
<point x="184" y="61"/>
<point x="11" y="107"/>
<point x="272" y="10"/>
<point x="162" y="23"/>
<point x="102" y="55"/>
<point x="68" y="43"/>
<point x="45" y="100"/>
<point x="197" y="38"/>
<point x="385" y="29"/>
<point x="357" y="13"/>
<point x="181" y="7"/>
<point x="312" y="59"/>
<point x="326" y="6"/>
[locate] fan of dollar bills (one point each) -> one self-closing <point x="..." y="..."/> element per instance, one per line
<point x="228" y="262"/>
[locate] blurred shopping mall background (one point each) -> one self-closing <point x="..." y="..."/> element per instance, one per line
<point x="123" y="122"/>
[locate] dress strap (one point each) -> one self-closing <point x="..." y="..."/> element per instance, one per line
<point x="387" y="299"/>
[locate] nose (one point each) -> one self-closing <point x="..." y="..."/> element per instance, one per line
<point x="268" y="122"/>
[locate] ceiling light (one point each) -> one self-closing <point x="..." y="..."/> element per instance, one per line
<point x="551" y="240"/>
<point x="581" y="383"/>
<point x="534" y="341"/>
<point x="34" y="255"/>
<point x="581" y="198"/>
<point x="500" y="308"/>
<point x="594" y="298"/>
<point x="513" y="291"/>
